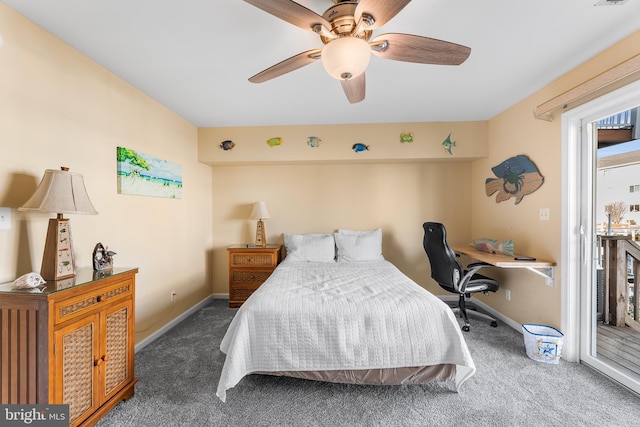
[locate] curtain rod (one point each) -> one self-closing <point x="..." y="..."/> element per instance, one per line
<point x="615" y="77"/>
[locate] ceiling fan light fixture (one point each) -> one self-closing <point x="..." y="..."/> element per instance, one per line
<point x="346" y="57"/>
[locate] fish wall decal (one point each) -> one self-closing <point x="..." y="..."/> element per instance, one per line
<point x="406" y="137"/>
<point x="516" y="177"/>
<point x="274" y="142"/>
<point x="358" y="147"/>
<point x="227" y="145"/>
<point x="448" y="143"/>
<point x="313" y="141"/>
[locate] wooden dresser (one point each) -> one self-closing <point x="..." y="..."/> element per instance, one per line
<point x="249" y="267"/>
<point x="71" y="344"/>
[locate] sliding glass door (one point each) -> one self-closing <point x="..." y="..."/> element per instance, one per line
<point x="601" y="250"/>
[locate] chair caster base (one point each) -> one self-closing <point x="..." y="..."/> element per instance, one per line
<point x="494" y="324"/>
<point x="465" y="328"/>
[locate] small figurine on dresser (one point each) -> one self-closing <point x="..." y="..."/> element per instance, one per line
<point x="102" y="258"/>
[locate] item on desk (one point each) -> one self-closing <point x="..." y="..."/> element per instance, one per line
<point x="524" y="258"/>
<point x="28" y="281"/>
<point x="493" y="246"/>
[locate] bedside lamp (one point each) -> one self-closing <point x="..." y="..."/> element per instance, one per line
<point x="59" y="192"/>
<point x="260" y="212"/>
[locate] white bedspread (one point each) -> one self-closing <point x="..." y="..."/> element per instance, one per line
<point x="330" y="316"/>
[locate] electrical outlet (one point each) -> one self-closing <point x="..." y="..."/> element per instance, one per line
<point x="507" y="294"/>
<point x="174" y="296"/>
<point x="5" y="218"/>
<point x="544" y="214"/>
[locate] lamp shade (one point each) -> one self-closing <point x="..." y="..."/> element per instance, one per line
<point x="260" y="211"/>
<point x="60" y="191"/>
<point x="346" y="57"/>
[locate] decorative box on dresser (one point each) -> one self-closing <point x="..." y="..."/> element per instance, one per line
<point x="249" y="267"/>
<point x="73" y="343"/>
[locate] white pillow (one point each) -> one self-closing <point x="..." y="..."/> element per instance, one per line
<point x="315" y="247"/>
<point x="359" y="245"/>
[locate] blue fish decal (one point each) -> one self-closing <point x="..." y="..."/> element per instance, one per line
<point x="448" y="143"/>
<point x="358" y="147"/>
<point x="516" y="177"/>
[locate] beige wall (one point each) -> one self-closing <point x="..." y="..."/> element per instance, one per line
<point x="394" y="185"/>
<point x="383" y="140"/>
<point x="58" y="108"/>
<point x="310" y="198"/>
<point x="513" y="132"/>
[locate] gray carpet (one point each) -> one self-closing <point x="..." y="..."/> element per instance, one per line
<point x="178" y="375"/>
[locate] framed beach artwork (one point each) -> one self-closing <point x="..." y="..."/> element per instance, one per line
<point x="144" y="175"/>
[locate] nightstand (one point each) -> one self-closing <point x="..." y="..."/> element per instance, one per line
<point x="249" y="267"/>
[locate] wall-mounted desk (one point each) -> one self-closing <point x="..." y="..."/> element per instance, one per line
<point x="540" y="267"/>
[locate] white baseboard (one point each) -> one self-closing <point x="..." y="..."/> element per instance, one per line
<point x="486" y="308"/>
<point x="157" y="334"/>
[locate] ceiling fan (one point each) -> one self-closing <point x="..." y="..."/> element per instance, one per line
<point x="345" y="29"/>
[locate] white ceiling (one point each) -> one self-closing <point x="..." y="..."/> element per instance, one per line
<point x="195" y="56"/>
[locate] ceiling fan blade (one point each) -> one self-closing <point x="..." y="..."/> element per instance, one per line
<point x="354" y="88"/>
<point x="286" y="66"/>
<point x="291" y="12"/>
<point x="423" y="50"/>
<point x="381" y="10"/>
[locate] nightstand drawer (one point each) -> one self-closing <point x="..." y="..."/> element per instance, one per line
<point x="253" y="260"/>
<point x="241" y="293"/>
<point x="249" y="276"/>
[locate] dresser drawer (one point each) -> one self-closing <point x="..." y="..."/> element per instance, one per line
<point x="253" y="260"/>
<point x="73" y="307"/>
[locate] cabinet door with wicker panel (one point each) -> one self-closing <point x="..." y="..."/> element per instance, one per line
<point x="93" y="360"/>
<point x="75" y="379"/>
<point x="116" y="370"/>
<point x="249" y="268"/>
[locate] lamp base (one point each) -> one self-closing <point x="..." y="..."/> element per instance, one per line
<point x="261" y="239"/>
<point x="57" y="260"/>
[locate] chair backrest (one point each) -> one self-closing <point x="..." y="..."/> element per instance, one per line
<point x="445" y="268"/>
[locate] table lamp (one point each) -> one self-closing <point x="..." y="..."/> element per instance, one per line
<point x="59" y="192"/>
<point x="260" y="212"/>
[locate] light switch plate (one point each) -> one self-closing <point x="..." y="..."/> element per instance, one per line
<point x="5" y="218"/>
<point x="544" y="214"/>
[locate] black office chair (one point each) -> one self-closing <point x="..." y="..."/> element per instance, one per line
<point x="447" y="271"/>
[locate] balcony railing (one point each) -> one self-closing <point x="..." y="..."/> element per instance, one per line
<point x="621" y="281"/>
<point x="622" y="120"/>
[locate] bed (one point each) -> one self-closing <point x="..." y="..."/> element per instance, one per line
<point x="336" y="310"/>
